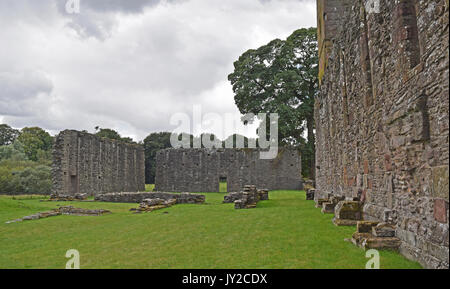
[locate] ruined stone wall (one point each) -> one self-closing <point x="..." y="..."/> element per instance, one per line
<point x="199" y="170"/>
<point x="382" y="119"/>
<point x="85" y="163"/>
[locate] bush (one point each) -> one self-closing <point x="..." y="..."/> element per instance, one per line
<point x="36" y="180"/>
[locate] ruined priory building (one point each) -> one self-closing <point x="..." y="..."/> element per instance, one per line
<point x="382" y="116"/>
<point x="85" y="163"/>
<point x="201" y="170"/>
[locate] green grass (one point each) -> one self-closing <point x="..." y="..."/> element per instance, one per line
<point x="149" y="188"/>
<point x="284" y="232"/>
<point x="223" y="187"/>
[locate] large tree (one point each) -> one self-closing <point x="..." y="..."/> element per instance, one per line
<point x="37" y="143"/>
<point x="153" y="143"/>
<point x="281" y="77"/>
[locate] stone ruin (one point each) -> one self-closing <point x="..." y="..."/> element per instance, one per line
<point x="149" y="205"/>
<point x="139" y="197"/>
<point x="382" y="119"/>
<point x="248" y="198"/>
<point x="87" y="164"/>
<point x="202" y="170"/>
<point x="66" y="210"/>
<point x="375" y="235"/>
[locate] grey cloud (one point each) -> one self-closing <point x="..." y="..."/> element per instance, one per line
<point x="20" y="91"/>
<point x="154" y="62"/>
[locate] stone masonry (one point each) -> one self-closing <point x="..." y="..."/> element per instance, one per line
<point x="382" y="116"/>
<point x="87" y="164"/>
<point x="201" y="170"/>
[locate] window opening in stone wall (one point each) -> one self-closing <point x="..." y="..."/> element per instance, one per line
<point x="407" y="33"/>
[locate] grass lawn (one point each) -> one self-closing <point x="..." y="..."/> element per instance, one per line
<point x="284" y="232"/>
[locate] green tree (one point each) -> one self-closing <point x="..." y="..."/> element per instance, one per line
<point x="281" y="77"/>
<point x="36" y="180"/>
<point x="153" y="143"/>
<point x="7" y="134"/>
<point x="34" y="140"/>
<point x="13" y="151"/>
<point x="112" y="134"/>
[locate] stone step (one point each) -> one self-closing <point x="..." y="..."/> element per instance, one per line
<point x="365" y="226"/>
<point x="344" y="222"/>
<point x="328" y="208"/>
<point x="320" y="202"/>
<point x="383" y="230"/>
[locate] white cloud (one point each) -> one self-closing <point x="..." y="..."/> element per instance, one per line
<point x="130" y="65"/>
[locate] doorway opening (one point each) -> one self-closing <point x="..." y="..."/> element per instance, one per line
<point x="74" y="187"/>
<point x="223" y="184"/>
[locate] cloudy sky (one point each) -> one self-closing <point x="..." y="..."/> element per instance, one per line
<point x="131" y="65"/>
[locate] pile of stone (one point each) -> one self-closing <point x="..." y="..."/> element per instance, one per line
<point x="328" y="207"/>
<point x="66" y="210"/>
<point x="348" y="213"/>
<point x="310" y="194"/>
<point x="375" y="235"/>
<point x="149" y="205"/>
<point x="139" y="197"/>
<point x="67" y="198"/>
<point x="248" y="198"/>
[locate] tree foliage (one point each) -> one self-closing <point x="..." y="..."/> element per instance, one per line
<point x="112" y="134"/>
<point x="36" y="142"/>
<point x="281" y="77"/>
<point x="153" y="143"/>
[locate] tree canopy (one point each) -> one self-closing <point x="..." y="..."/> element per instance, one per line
<point x="281" y="77"/>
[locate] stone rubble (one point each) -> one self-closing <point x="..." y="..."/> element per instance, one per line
<point x="375" y="235"/>
<point x="67" y="198"/>
<point x="248" y="198"/>
<point x="149" y="205"/>
<point x="183" y="198"/>
<point x="310" y="194"/>
<point x="65" y="210"/>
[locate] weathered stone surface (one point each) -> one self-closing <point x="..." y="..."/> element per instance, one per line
<point x="440" y="210"/>
<point x="365" y="226"/>
<point x="200" y="170"/>
<point x="310" y="194"/>
<point x="67" y="198"/>
<point x="87" y="164"/>
<point x="328" y="208"/>
<point x="320" y="202"/>
<point x="183" y="198"/>
<point x="383" y="230"/>
<point x="382" y="122"/>
<point x="65" y="210"/>
<point x="348" y="210"/>
<point x="248" y="200"/>
<point x="149" y="205"/>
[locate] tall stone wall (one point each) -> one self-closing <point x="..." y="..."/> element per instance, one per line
<point x="200" y="170"/>
<point x="382" y="118"/>
<point x="85" y="163"/>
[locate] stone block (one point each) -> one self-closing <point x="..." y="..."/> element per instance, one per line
<point x="440" y="210"/>
<point x="328" y="208"/>
<point x="383" y="230"/>
<point x="365" y="226"/>
<point x="310" y="194"/>
<point x="348" y="210"/>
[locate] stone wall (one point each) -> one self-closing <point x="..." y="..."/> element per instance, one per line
<point x="382" y="117"/>
<point x="200" y="170"/>
<point x="85" y="163"/>
<point x="138" y="197"/>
